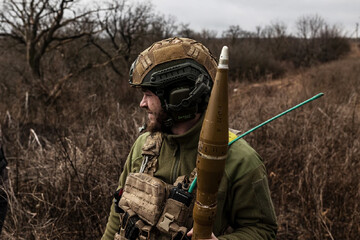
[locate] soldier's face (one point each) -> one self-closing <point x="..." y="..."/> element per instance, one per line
<point x="151" y="103"/>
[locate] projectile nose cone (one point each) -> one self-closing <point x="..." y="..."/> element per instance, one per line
<point x="224" y="58"/>
<point x="224" y="53"/>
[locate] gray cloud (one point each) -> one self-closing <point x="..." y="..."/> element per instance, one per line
<point x="219" y="15"/>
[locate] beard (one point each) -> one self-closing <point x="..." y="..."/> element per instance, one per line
<point x="158" y="124"/>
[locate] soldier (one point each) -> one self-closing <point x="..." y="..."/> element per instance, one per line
<point x="153" y="200"/>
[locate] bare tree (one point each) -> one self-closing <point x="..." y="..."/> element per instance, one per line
<point x="185" y="31"/>
<point x="164" y="27"/>
<point x="310" y="26"/>
<point x="276" y="36"/>
<point x="207" y="34"/>
<point x="279" y="29"/>
<point x="234" y="32"/>
<point x="125" y="25"/>
<point x="42" y="25"/>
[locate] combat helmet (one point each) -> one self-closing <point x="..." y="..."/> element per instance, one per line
<point x="180" y="71"/>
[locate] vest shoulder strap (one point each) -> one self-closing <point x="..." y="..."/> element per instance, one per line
<point x="151" y="152"/>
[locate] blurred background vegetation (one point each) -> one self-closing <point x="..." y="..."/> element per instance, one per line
<point x="68" y="117"/>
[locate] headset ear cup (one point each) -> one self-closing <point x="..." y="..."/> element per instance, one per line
<point x="184" y="102"/>
<point x="180" y="106"/>
<point x="177" y="95"/>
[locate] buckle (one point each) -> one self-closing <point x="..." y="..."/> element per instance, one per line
<point x="145" y="232"/>
<point x="168" y="219"/>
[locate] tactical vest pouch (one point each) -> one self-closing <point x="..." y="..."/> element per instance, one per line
<point x="132" y="227"/>
<point x="125" y="216"/>
<point x="174" y="221"/>
<point x="175" y="214"/>
<point x="145" y="195"/>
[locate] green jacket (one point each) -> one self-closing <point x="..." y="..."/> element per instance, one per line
<point x="244" y="202"/>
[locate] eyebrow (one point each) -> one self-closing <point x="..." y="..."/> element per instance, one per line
<point x="144" y="89"/>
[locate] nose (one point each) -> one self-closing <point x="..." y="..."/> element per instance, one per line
<point x="143" y="102"/>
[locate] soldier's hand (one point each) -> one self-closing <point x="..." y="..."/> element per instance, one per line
<point x="190" y="233"/>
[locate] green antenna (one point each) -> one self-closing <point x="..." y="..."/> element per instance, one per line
<point x="277" y="116"/>
<point x="193" y="184"/>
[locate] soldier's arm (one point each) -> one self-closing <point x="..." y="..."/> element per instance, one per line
<point x="252" y="213"/>
<point x="132" y="164"/>
<point x="113" y="223"/>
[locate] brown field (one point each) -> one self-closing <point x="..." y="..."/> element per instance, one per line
<point x="312" y="154"/>
<point x="65" y="158"/>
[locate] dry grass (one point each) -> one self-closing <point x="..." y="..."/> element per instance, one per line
<point x="313" y="154"/>
<point x="64" y="168"/>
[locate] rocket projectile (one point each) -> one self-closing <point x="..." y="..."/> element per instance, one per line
<point x="212" y="151"/>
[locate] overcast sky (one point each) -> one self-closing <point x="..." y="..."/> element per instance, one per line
<point x="218" y="15"/>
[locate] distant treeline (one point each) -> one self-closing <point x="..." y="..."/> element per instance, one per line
<point x="110" y="37"/>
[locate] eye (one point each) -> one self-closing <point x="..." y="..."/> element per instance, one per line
<point x="149" y="93"/>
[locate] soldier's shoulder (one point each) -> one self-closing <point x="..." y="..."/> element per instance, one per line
<point x="142" y="137"/>
<point x="140" y="141"/>
<point x="242" y="158"/>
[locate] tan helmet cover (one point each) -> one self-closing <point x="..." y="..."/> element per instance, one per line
<point x="172" y="49"/>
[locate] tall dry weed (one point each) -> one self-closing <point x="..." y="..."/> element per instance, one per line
<point x="63" y="173"/>
<point x="312" y="154"/>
